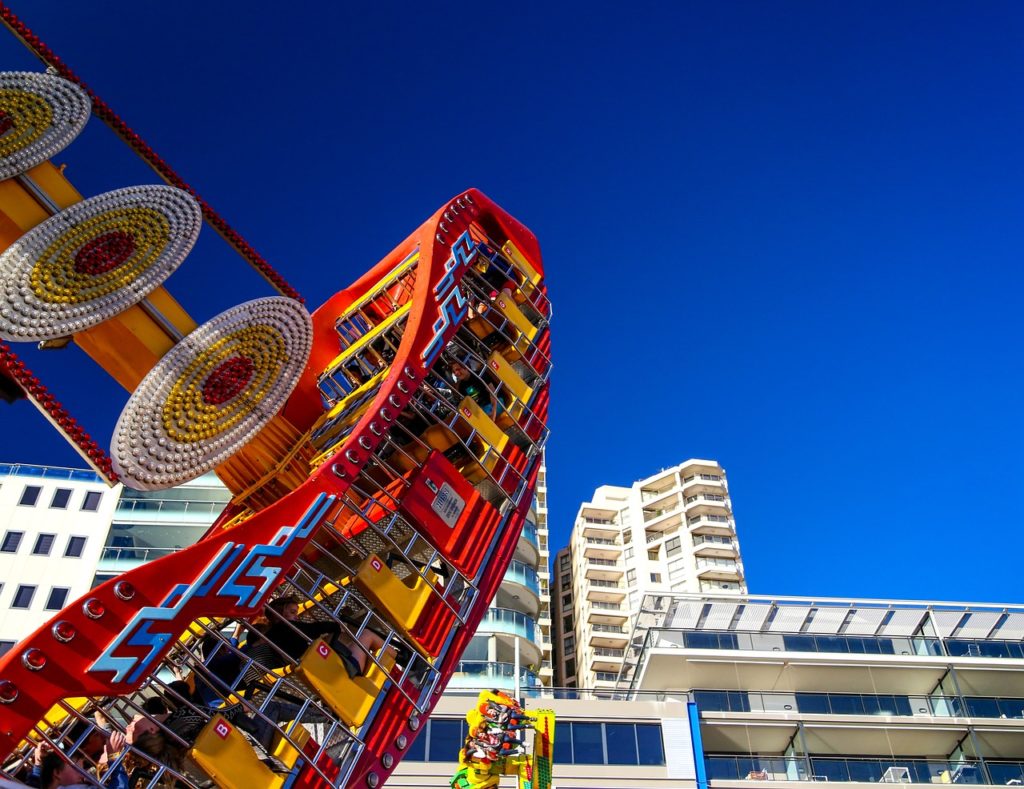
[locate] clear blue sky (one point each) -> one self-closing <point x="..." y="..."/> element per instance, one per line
<point x="786" y="236"/>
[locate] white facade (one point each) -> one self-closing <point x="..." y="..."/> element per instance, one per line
<point x="671" y="532"/>
<point x="64" y="530"/>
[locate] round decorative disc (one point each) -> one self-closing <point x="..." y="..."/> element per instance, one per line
<point x="94" y="260"/>
<point x="40" y="114"/>
<point x="212" y="393"/>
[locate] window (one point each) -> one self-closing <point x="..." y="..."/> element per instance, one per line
<point x="569" y="642"/>
<point x="91" y="503"/>
<point x="567" y="624"/>
<point x="60" y="499"/>
<point x="652" y="554"/>
<point x="655" y="578"/>
<point x="446" y="738"/>
<point x="11" y="542"/>
<point x="563" y="562"/>
<point x="672" y="547"/>
<point x="44" y="544"/>
<point x="58" y="597"/>
<point x="570" y="666"/>
<point x="6" y="646"/>
<point x="631" y="577"/>
<point x="29" y="496"/>
<point x="566" y="599"/>
<point x="75" y="547"/>
<point x="23" y="597"/>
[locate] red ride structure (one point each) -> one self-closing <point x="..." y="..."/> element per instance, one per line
<point x="382" y="453"/>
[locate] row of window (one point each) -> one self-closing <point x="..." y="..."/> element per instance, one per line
<point x="43" y="545"/>
<point x="60" y="499"/>
<point x="575" y="743"/>
<point x="25" y="594"/>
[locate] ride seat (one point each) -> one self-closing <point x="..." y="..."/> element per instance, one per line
<point x="351" y="698"/>
<point x="226" y="756"/>
<point x="401" y="600"/>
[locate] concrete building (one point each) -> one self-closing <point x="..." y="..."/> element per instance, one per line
<point x="793" y="690"/>
<point x="518" y="622"/>
<point x="62" y="531"/>
<point x="671" y="532"/>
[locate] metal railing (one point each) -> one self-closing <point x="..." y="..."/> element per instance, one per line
<point x="608" y="585"/>
<point x="608" y="607"/>
<point x="603" y="562"/>
<point x="524" y="575"/>
<point x="170" y="506"/>
<point x="119" y="553"/>
<point x="608" y="629"/>
<point x="863" y="770"/>
<point x="850" y="704"/>
<point x="606" y="652"/>
<point x="600" y="541"/>
<point x="505" y="620"/>
<point x="49" y="472"/>
<point x="483" y="674"/>
<point x="805" y="642"/>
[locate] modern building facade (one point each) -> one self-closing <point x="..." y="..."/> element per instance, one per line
<point x="671" y="532"/>
<point x="62" y="531"/>
<point x="795" y="690"/>
<point x="517" y="627"/>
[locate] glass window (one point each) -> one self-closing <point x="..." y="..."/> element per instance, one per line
<point x="29" y="496"/>
<point x="446" y="738"/>
<point x="587" y="743"/>
<point x="563" y="742"/>
<point x="58" y="597"/>
<point x="11" y="541"/>
<point x="649" y="747"/>
<point x="44" y="544"/>
<point x="631" y="577"/>
<point x="75" y="547"/>
<point x="656" y="578"/>
<point x="815" y="703"/>
<point x="91" y="503"/>
<point x="652" y="554"/>
<point x="60" y="499"/>
<point x="567" y="599"/>
<point x="23" y="597"/>
<point x="673" y="546"/>
<point x="621" y="739"/>
<point x="6" y="646"/>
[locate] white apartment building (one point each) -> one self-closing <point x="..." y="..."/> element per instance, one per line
<point x="63" y="530"/>
<point x="793" y="690"/>
<point x="518" y="622"/>
<point x="671" y="532"/>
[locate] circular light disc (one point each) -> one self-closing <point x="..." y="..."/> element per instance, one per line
<point x="212" y="393"/>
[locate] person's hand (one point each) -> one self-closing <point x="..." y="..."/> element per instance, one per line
<point x="42" y="749"/>
<point x="115" y="744"/>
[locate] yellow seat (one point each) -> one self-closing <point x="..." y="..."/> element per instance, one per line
<point x="226" y="756"/>
<point x="401" y="600"/>
<point x="351" y="698"/>
<point x="512" y="253"/>
<point x="486" y="428"/>
<point x="515" y="316"/>
<point x="512" y="381"/>
<point x="284" y="751"/>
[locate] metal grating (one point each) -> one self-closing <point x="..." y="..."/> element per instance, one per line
<point x="979" y="624"/>
<point x="946" y="622"/>
<point x="865" y="621"/>
<point x="904" y="622"/>
<point x="789" y="618"/>
<point x="827" y="620"/>
<point x="720" y="616"/>
<point x="753" y="616"/>
<point x="1012" y="629"/>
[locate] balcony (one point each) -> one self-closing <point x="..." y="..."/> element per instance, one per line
<point x="722" y="547"/>
<point x="603" y="570"/>
<point x="861" y="770"/>
<point x="704" y="482"/>
<point x="611" y="636"/>
<point x="606" y="659"/>
<point x="117" y="559"/>
<point x="721" y="569"/>
<point x="710" y="523"/>
<point x="706" y="504"/>
<point x="805" y="642"/>
<point x="168" y="511"/>
<point x="482" y="674"/>
<point x="606" y="591"/>
<point x="505" y="620"/>
<point x="606" y="614"/>
<point x="522" y="575"/>
<point x="599" y="527"/>
<point x="663" y="521"/>
<point x="601" y="548"/>
<point x="887" y="704"/>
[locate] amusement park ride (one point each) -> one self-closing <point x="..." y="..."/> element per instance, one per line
<point x="382" y="453"/>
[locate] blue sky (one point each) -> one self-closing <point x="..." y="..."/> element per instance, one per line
<point x="786" y="236"/>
